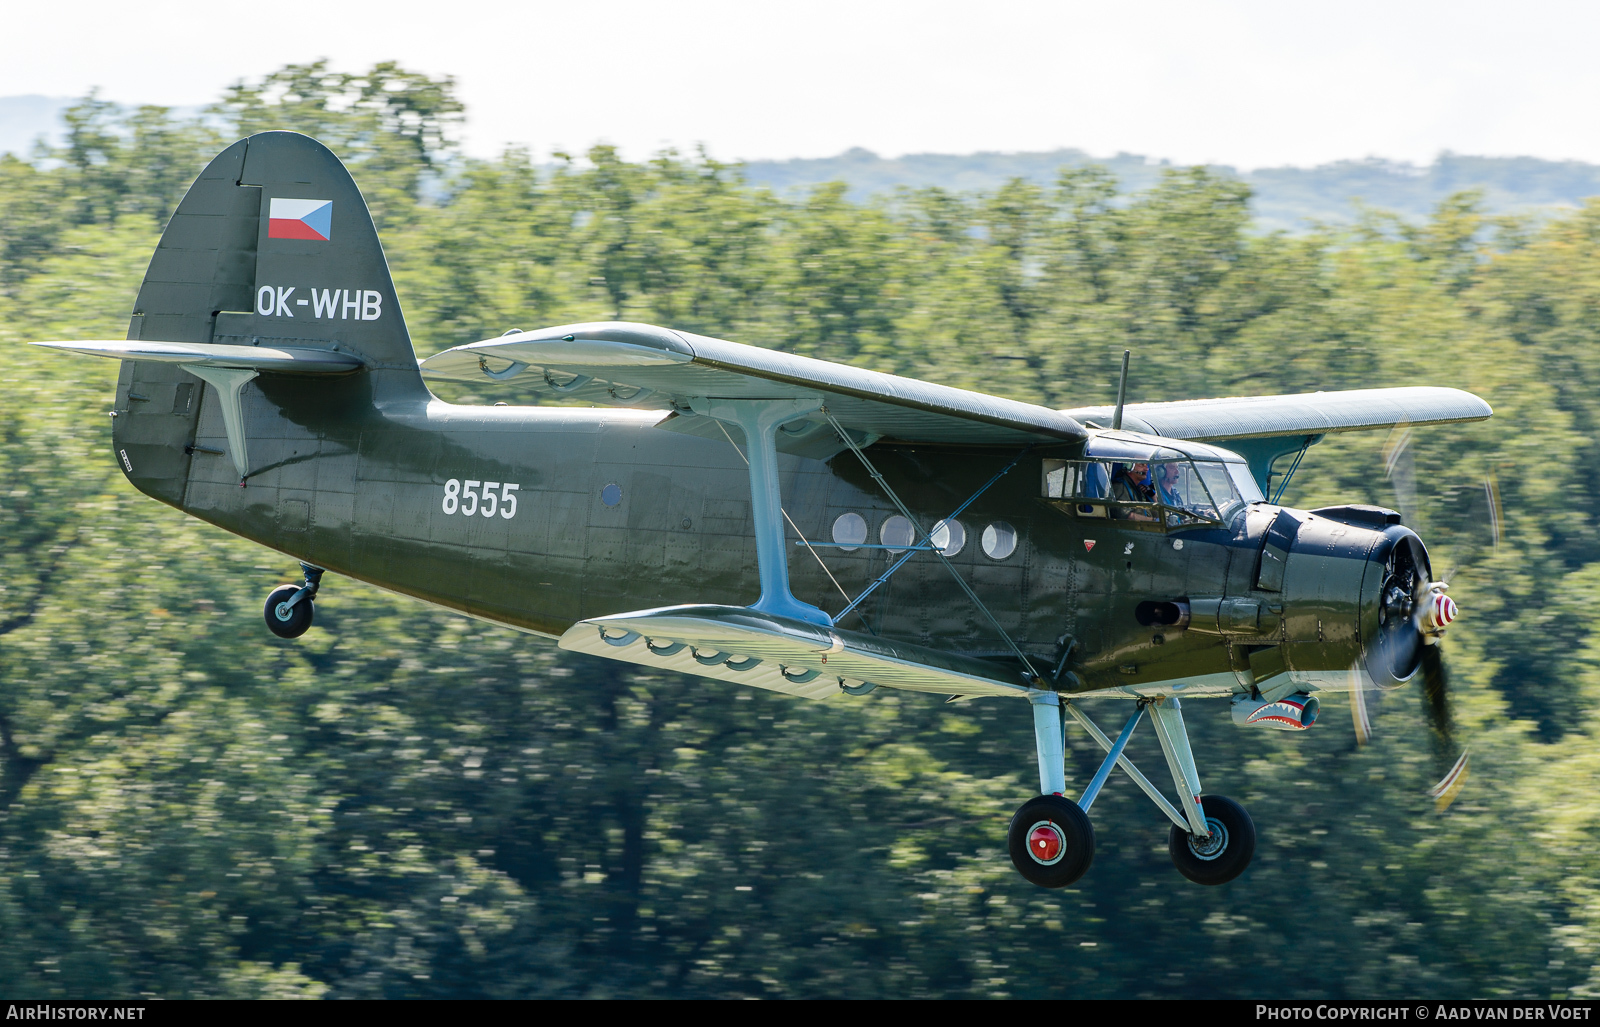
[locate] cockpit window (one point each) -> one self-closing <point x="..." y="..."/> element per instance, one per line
<point x="1182" y="493"/>
<point x="1069" y="479"/>
<point x="1169" y="491"/>
<point x="1245" y="482"/>
<point x="1224" y="492"/>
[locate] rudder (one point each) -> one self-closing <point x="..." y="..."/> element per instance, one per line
<point x="274" y="245"/>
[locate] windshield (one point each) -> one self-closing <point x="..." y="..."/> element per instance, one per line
<point x="1245" y="482"/>
<point x="1170" y="493"/>
<point x="1224" y="490"/>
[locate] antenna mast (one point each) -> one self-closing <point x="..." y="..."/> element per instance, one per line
<point x="1122" y="392"/>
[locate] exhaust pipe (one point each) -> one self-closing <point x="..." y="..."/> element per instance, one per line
<point x="1174" y="614"/>
<point x="1292" y="713"/>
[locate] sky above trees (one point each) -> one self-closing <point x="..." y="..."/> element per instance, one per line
<point x="1241" y="82"/>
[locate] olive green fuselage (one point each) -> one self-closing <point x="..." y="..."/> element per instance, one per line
<point x="364" y="490"/>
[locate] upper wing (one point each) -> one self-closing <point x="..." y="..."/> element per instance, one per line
<point x="1312" y="413"/>
<point x="641" y="365"/>
<point x="291" y="359"/>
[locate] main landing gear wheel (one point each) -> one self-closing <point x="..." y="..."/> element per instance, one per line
<point x="1224" y="855"/>
<point x="1052" y="841"/>
<point x="284" y="620"/>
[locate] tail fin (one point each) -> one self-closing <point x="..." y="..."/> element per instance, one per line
<point x="269" y="267"/>
<point x="273" y="246"/>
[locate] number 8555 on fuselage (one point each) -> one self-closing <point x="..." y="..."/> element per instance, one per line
<point x="465" y="497"/>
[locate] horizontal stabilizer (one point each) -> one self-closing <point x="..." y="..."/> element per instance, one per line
<point x="732" y="643"/>
<point x="618" y="363"/>
<point x="281" y="359"/>
<point x="1311" y="413"/>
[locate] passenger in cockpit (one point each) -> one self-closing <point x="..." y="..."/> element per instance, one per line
<point x="1130" y="483"/>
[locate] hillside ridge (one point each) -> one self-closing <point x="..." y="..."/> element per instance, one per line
<point x="1286" y="198"/>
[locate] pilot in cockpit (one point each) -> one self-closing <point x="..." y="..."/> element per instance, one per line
<point x="1168" y="492"/>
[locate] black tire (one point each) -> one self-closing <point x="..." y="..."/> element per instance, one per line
<point x="1228" y="860"/>
<point x="1069" y="853"/>
<point x="299" y="618"/>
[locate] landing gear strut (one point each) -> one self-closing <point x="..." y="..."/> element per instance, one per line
<point x="1219" y="839"/>
<point x="289" y="609"/>
<point x="1052" y="840"/>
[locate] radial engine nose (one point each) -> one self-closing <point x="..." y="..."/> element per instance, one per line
<point x="1402" y="608"/>
<point x="1437" y="613"/>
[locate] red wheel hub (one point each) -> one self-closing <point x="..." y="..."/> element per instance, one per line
<point x="1045" y="843"/>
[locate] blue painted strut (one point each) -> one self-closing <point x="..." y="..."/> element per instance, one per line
<point x="1099" y="780"/>
<point x="759" y="419"/>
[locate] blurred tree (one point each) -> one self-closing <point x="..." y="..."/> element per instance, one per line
<point x="31" y="219"/>
<point x="393" y="127"/>
<point x="137" y="162"/>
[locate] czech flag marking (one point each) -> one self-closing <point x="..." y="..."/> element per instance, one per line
<point x="300" y="219"/>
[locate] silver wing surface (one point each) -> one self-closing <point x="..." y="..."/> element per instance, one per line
<point x="225" y="368"/>
<point x="620" y="363"/>
<point x="733" y="643"/>
<point x="1264" y="429"/>
<point x="1311" y="413"/>
<point x="283" y="359"/>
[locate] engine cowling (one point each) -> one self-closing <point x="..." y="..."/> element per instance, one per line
<point x="1352" y="595"/>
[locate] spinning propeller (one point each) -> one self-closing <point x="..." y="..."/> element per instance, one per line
<point x="1414" y="612"/>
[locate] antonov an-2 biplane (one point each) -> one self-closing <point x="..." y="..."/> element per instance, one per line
<point x="898" y="534"/>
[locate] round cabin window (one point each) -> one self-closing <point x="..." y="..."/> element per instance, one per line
<point x="850" y="531"/>
<point x="999" y="540"/>
<point x="611" y="495"/>
<point x="949" y="536"/>
<point x="896" y="531"/>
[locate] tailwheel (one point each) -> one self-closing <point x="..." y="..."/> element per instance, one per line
<point x="1052" y="841"/>
<point x="284" y="620"/>
<point x="1223" y="855"/>
<point x="288" y="610"/>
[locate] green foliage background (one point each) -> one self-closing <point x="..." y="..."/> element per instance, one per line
<point x="408" y="803"/>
